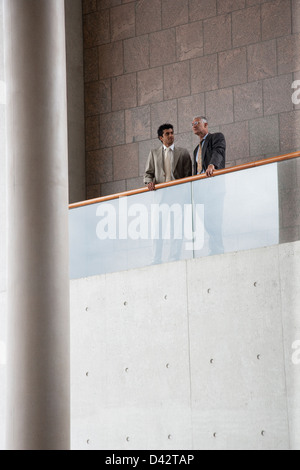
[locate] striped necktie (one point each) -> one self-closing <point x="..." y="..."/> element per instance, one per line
<point x="168" y="164"/>
<point x="199" y="167"/>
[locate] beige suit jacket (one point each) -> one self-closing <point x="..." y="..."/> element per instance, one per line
<point x="155" y="170"/>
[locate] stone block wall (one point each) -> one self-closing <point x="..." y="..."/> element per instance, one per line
<point x="147" y="62"/>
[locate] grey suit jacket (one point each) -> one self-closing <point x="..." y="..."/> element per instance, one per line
<point x="155" y="171"/>
<point x="213" y="152"/>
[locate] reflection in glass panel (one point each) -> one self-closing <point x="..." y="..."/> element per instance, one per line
<point x="131" y="232"/>
<point x="231" y="212"/>
<point x="240" y="210"/>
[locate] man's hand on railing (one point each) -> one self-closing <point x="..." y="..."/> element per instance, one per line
<point x="210" y="170"/>
<point x="151" y="186"/>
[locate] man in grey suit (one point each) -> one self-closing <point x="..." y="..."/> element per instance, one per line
<point x="209" y="155"/>
<point x="167" y="162"/>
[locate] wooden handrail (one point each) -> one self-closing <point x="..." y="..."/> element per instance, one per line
<point x="232" y="169"/>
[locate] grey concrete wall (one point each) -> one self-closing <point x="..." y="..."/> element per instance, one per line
<point x="189" y="355"/>
<point x="152" y="61"/>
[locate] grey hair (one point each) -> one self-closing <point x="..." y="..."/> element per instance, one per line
<point x="203" y="119"/>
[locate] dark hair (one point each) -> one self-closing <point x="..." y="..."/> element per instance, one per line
<point x="162" y="128"/>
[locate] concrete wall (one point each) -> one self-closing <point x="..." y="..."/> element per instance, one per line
<point x="152" y="61"/>
<point x="189" y="355"/>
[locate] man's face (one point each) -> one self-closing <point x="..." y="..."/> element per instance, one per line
<point x="168" y="137"/>
<point x="199" y="127"/>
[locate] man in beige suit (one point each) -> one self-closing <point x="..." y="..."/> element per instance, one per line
<point x="167" y="162"/>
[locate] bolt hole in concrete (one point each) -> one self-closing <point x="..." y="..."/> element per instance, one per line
<point x="125" y="304"/>
<point x="166" y="297"/>
<point x="263" y="433"/>
<point x="127" y="439"/>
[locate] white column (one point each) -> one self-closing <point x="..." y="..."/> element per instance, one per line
<point x="38" y="359"/>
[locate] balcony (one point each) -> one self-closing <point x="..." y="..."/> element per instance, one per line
<point x="243" y="207"/>
<point x="199" y="354"/>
